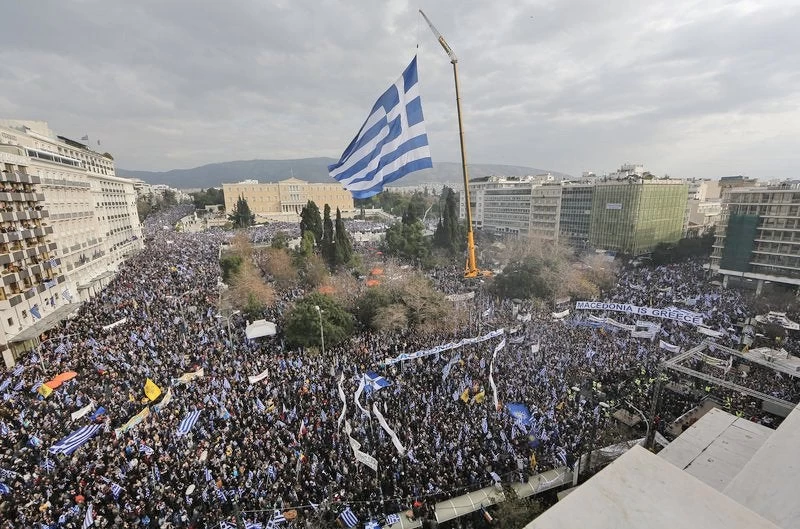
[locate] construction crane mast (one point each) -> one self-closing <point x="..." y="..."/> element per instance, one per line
<point x="471" y="269"/>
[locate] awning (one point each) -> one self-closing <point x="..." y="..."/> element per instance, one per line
<point x="46" y="323"/>
<point x="259" y="329"/>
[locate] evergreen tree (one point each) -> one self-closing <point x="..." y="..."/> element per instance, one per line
<point x="327" y="236"/>
<point x="449" y="233"/>
<point x="241" y="216"/>
<point x="310" y="220"/>
<point x="343" y="247"/>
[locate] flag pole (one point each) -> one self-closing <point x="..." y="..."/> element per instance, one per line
<point x="471" y="269"/>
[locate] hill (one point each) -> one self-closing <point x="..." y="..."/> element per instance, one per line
<point x="309" y="169"/>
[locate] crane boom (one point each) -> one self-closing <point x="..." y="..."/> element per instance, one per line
<point x="440" y="38"/>
<point x="471" y="269"/>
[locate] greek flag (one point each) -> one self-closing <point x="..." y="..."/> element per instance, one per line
<point x="392" y="519"/>
<point x="18" y="370"/>
<point x="188" y="422"/>
<point x="392" y="141"/>
<point x="89" y="519"/>
<point x="277" y="518"/>
<point x="348" y="518"/>
<point x="66" y="294"/>
<point x="252" y="525"/>
<point x="18" y="386"/>
<point x="146" y="450"/>
<point x="4" y="489"/>
<point x="75" y="440"/>
<point x="116" y="490"/>
<point x="4" y="429"/>
<point x="35" y="312"/>
<point x="50" y="283"/>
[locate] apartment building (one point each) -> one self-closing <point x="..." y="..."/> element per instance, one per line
<point x="758" y="236"/>
<point x="286" y="199"/>
<point x="89" y="219"/>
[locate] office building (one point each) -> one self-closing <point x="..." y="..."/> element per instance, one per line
<point x="525" y="206"/>
<point x="576" y="213"/>
<point x="758" y="236"/>
<point x="286" y="199"/>
<point x="89" y="223"/>
<point x="632" y="216"/>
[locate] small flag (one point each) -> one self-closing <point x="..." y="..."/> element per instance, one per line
<point x="66" y="294"/>
<point x="188" y="421"/>
<point x="48" y="465"/>
<point x="75" y="440"/>
<point x="85" y="138"/>
<point x="392" y="519"/>
<point x="278" y="518"/>
<point x="89" y="518"/>
<point x="35" y="312"/>
<point x="348" y="518"/>
<point x="50" y="283"/>
<point x="376" y="381"/>
<point x="18" y="370"/>
<point x="116" y="490"/>
<point x="392" y="141"/>
<point x="5" y="489"/>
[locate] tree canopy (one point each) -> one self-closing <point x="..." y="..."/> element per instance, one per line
<point x="242" y="217"/>
<point x="450" y="235"/>
<point x="302" y="326"/>
<point x="311" y="221"/>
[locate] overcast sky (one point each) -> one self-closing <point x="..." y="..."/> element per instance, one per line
<point x="689" y="88"/>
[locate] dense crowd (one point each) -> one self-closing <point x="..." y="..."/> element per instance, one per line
<point x="278" y="443"/>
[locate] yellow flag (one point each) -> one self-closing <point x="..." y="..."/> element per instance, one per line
<point x="45" y="390"/>
<point x="151" y="390"/>
<point x="465" y="395"/>
<point x="479" y="397"/>
<point x="533" y="461"/>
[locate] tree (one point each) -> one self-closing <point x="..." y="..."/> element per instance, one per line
<point x="515" y="512"/>
<point x="327" y="236"/>
<point x="280" y="240"/>
<point x="407" y="239"/>
<point x="449" y="233"/>
<point x="342" y="246"/>
<point x="306" y="248"/>
<point x="303" y="320"/>
<point x="241" y="216"/>
<point x="230" y="265"/>
<point x="311" y="221"/>
<point x="277" y="264"/>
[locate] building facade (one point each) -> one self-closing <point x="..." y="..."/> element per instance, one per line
<point x="576" y="213"/>
<point x="634" y="215"/>
<point x="89" y="219"/>
<point x="758" y="236"/>
<point x="285" y="199"/>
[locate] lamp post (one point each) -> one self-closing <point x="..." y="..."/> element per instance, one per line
<point x="228" y="321"/>
<point x="321" y="331"/>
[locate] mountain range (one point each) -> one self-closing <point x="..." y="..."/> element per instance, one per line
<point x="313" y="170"/>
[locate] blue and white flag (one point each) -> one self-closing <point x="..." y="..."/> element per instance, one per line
<point x="88" y="520"/>
<point x="188" y="422"/>
<point x="75" y="440"/>
<point x="35" y="312"/>
<point x="66" y="294"/>
<point x="392" y="519"/>
<point x="116" y="490"/>
<point x="4" y="489"/>
<point x="348" y="518"/>
<point x="520" y="412"/>
<point x="392" y="141"/>
<point x="18" y="370"/>
<point x="277" y="518"/>
<point x="375" y="381"/>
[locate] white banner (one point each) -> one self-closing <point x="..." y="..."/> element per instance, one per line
<point x="560" y="315"/>
<point x="361" y="457"/>
<point x="164" y="401"/>
<point x="461" y="297"/>
<point x="83" y="411"/>
<point x="668" y="314"/>
<point x="524" y="317"/>
<point x="709" y="332"/>
<point x="358" y="395"/>
<point x="643" y="334"/>
<point x="624" y="327"/>
<point x="259" y="377"/>
<point x="115" y="324"/>
<point x="669" y="347"/>
<point x="188" y="377"/>
<point x="444" y="347"/>
<point x="536" y="347"/>
<point x="397" y="444"/>
<point x="344" y="402"/>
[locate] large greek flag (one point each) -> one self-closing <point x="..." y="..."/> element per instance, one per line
<point x="391" y="143"/>
<point x="73" y="441"/>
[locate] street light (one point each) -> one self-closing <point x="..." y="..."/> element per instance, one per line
<point x="228" y="320"/>
<point x="321" y="331"/>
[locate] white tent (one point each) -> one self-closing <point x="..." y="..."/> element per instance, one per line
<point x="259" y="329"/>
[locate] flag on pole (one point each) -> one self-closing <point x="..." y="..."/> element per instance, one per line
<point x="392" y="141"/>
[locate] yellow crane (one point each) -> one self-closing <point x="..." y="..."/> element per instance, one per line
<point x="471" y="270"/>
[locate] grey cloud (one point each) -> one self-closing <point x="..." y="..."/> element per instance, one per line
<point x="566" y="85"/>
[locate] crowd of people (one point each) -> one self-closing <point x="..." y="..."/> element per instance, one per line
<point x="244" y="429"/>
